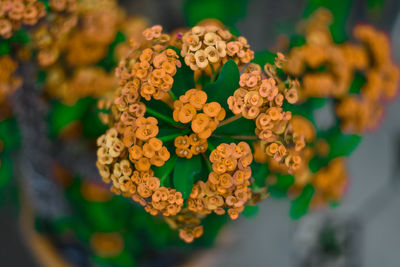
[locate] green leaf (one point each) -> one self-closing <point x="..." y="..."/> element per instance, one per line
<point x="184" y="174"/>
<point x="250" y="211"/>
<point x="163" y="172"/>
<point x="280" y="188"/>
<point x="300" y="205"/>
<point x="62" y="114"/>
<point x="183" y="80"/>
<point x="316" y="163"/>
<point x="93" y="127"/>
<point x="225" y="85"/>
<point x="227" y="11"/>
<point x="124" y="259"/>
<point x="20" y="36"/>
<point x="9" y="134"/>
<point x="358" y="82"/>
<point x="246" y="128"/>
<point x="4" y="48"/>
<point x="259" y="172"/>
<point x="6" y="170"/>
<point x="263" y="57"/>
<point x="342" y="145"/>
<point x="109" y="62"/>
<point x="297" y="40"/>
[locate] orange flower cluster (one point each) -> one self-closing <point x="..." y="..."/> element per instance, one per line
<point x="81" y="30"/>
<point x="152" y="74"/>
<point x="63" y="5"/>
<point x="227" y="185"/>
<point x="188" y="224"/>
<point x="319" y="50"/>
<point x="187" y="146"/>
<point x="15" y="13"/>
<point x="137" y="181"/>
<point x="330" y="182"/>
<point x="363" y="112"/>
<point x="260" y="98"/>
<point x="187" y="107"/>
<point x="300" y="127"/>
<point x="188" y="234"/>
<point x="208" y="45"/>
<point x="132" y="27"/>
<point x="147" y="72"/>
<point x="371" y="58"/>
<point x="8" y="82"/>
<point x="85" y="81"/>
<point x="107" y="244"/>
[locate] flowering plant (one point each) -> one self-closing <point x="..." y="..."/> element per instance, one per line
<point x="183" y="120"/>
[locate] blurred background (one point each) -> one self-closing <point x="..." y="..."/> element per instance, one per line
<point x="368" y="217"/>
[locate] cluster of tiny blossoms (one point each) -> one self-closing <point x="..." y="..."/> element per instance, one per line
<point x="210" y="45"/>
<point x="226" y="189"/>
<point x="138" y="181"/>
<point x="227" y="184"/>
<point x="80" y="34"/>
<point x="79" y="30"/>
<point x="188" y="146"/>
<point x="8" y="82"/>
<point x="330" y="182"/>
<point x="131" y="149"/>
<point x="319" y="50"/>
<point x="15" y="13"/>
<point x="260" y="98"/>
<point x="363" y="112"/>
<point x="153" y="73"/>
<point x="340" y="63"/>
<point x="85" y="81"/>
<point x="147" y="72"/>
<point x="187" y="109"/>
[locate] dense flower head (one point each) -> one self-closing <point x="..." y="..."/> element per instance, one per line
<point x="80" y="30"/>
<point x="226" y="189"/>
<point x="204" y="117"/>
<point x="260" y="98"/>
<point x="128" y="169"/>
<point x="146" y="139"/>
<point x="204" y="46"/>
<point x="85" y="81"/>
<point x="8" y="81"/>
<point x="15" y="13"/>
<point x="370" y="56"/>
<point x="189" y="146"/>
<point x="363" y="112"/>
<point x="151" y="73"/>
<point x="330" y="182"/>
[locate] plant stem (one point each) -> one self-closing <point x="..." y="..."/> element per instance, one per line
<point x="210" y="146"/>
<point x="209" y="167"/>
<point x="160" y="116"/>
<point x="173" y="96"/>
<point x="172" y="136"/>
<point x="231" y="119"/>
<point x="240" y="137"/>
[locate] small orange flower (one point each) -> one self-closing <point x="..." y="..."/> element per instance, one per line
<point x="147" y="128"/>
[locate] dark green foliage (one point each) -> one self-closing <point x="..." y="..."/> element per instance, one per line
<point x="250" y="211"/>
<point x="283" y="183"/>
<point x="225" y="85"/>
<point x="184" y="174"/>
<point x="300" y="205"/>
<point x="259" y="172"/>
<point x="229" y="12"/>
